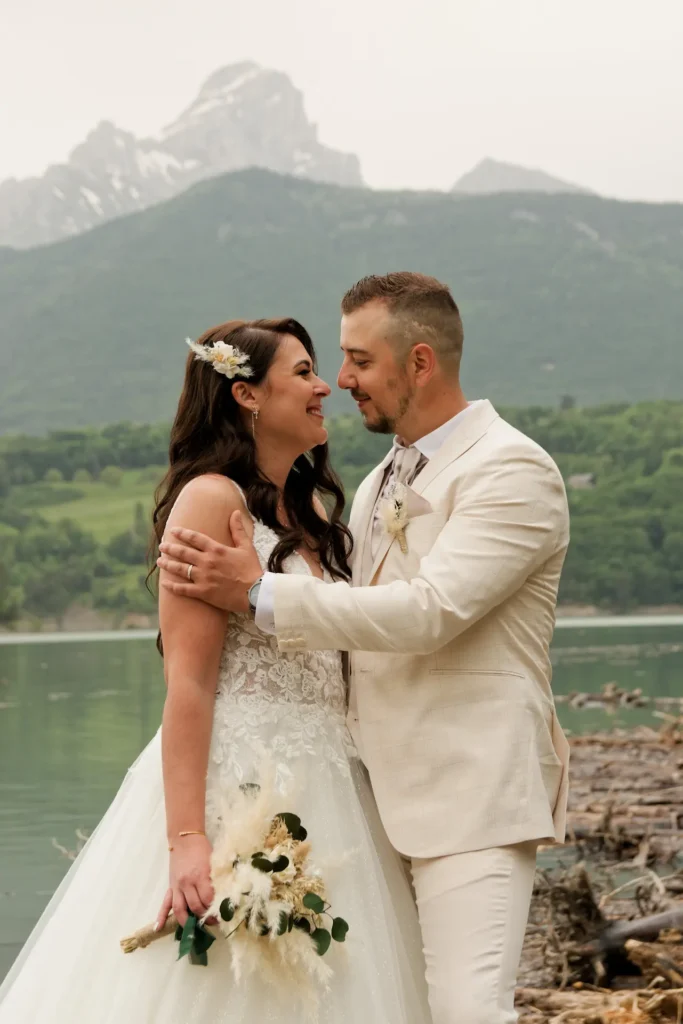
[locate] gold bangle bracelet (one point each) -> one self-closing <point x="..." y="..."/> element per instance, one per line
<point x="190" y="832"/>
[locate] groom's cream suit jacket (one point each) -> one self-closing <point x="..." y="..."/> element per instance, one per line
<point x="450" y="703"/>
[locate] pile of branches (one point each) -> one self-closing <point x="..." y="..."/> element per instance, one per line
<point x="644" y="1007"/>
<point x="606" y="947"/>
<point x="601" y="954"/>
<point x="626" y="794"/>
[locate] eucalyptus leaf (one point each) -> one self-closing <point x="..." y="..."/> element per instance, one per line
<point x="322" y="939"/>
<point x="292" y="823"/>
<point x="198" y="959"/>
<point x="262" y="864"/>
<point x="301" y="835"/>
<point x="281" y="864"/>
<point x="227" y="910"/>
<point x="179" y="933"/>
<point x="283" y="926"/>
<point x="313" y="902"/>
<point x="339" y="929"/>
<point x="303" y="924"/>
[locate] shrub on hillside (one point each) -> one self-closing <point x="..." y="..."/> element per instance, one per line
<point x="128" y="547"/>
<point x="111" y="476"/>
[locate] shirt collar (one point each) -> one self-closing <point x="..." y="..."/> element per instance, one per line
<point x="430" y="443"/>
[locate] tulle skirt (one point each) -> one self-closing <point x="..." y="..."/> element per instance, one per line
<point x="72" y="968"/>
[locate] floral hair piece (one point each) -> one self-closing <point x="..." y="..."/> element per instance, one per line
<point x="225" y="359"/>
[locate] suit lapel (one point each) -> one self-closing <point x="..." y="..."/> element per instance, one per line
<point x="382" y="553"/>
<point x="465" y="434"/>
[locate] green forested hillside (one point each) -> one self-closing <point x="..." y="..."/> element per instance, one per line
<point x="74" y="507"/>
<point x="561" y="295"/>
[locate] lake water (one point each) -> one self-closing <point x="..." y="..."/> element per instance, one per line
<point x="75" y="712"/>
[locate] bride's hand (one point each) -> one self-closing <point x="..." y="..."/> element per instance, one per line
<point x="190" y="886"/>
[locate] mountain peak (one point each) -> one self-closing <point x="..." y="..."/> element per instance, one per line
<point x="221" y="89"/>
<point x="104" y="143"/>
<point x="232" y="74"/>
<point x="490" y="176"/>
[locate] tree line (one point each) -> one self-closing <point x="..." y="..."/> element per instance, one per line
<point x="622" y="464"/>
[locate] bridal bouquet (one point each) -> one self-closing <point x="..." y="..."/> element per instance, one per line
<point x="269" y="903"/>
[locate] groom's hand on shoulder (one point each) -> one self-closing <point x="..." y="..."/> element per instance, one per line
<point x="208" y="571"/>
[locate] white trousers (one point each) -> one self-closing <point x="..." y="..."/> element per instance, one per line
<point x="473" y="910"/>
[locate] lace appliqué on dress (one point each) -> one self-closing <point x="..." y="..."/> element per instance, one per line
<point x="275" y="706"/>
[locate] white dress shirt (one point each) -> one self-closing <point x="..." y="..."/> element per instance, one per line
<point x="428" y="446"/>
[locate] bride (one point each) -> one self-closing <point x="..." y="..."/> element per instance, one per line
<point x="248" y="435"/>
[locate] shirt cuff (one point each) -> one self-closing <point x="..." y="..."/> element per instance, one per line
<point x="265" y="604"/>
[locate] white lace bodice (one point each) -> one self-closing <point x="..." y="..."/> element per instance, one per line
<point x="273" y="704"/>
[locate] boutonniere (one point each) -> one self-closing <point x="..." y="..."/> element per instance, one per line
<point x="394" y="512"/>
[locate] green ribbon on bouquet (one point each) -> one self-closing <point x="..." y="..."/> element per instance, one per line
<point x="194" y="941"/>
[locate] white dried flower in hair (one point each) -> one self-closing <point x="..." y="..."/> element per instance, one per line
<point x="225" y="359"/>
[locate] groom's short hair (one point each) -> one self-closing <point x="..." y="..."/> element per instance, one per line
<point x="422" y="307"/>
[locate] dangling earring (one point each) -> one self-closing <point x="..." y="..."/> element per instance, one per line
<point x="254" y="417"/>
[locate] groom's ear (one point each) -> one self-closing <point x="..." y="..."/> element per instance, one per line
<point x="244" y="395"/>
<point x="424" y="363"/>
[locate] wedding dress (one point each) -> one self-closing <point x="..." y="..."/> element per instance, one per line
<point x="289" y="708"/>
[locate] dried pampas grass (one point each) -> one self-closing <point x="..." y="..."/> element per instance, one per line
<point x="269" y="901"/>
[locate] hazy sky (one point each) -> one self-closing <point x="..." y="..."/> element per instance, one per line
<point x="590" y="90"/>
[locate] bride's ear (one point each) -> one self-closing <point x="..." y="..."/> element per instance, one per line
<point x="245" y="396"/>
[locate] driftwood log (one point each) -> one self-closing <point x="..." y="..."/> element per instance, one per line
<point x="615" y="936"/>
<point x="655" y="962"/>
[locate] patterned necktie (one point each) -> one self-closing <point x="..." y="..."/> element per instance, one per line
<point x="406" y="464"/>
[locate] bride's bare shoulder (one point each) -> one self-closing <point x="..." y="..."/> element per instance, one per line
<point x="214" y="488"/>
<point x="206" y="503"/>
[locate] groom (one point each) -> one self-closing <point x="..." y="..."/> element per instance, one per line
<point x="460" y="536"/>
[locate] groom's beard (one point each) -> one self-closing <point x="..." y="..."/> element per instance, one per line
<point x="383" y="423"/>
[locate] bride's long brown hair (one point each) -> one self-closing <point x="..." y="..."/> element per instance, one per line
<point x="210" y="435"/>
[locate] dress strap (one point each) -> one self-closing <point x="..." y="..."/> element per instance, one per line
<point x="238" y="488"/>
<point x="241" y="494"/>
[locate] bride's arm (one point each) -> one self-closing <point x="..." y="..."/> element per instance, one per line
<point x="192" y="635"/>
